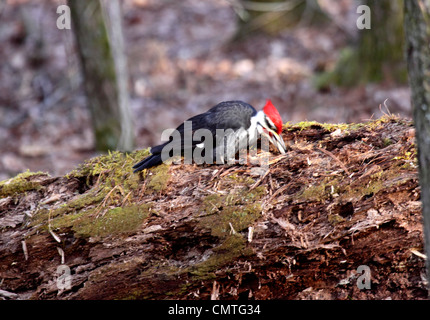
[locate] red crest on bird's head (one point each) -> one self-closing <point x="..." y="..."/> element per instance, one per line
<point x="273" y="113"/>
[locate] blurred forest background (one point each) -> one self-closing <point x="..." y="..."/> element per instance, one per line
<point x="308" y="56"/>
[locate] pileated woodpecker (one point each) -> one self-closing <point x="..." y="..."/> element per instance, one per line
<point x="238" y="118"/>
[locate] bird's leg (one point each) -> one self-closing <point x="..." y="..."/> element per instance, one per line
<point x="252" y="157"/>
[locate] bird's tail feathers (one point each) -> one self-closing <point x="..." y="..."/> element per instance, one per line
<point x="148" y="162"/>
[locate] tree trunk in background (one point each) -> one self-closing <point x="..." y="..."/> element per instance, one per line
<point x="378" y="53"/>
<point x="417" y="27"/>
<point x="97" y="26"/>
<point x="380" y="50"/>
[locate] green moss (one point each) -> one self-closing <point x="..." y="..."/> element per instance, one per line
<point x="159" y="179"/>
<point x="387" y="141"/>
<point x="238" y="209"/>
<point x="94" y="223"/>
<point x="113" y="167"/>
<point x="105" y="209"/>
<point x="346" y="191"/>
<point x="231" y="248"/>
<point x="142" y="289"/>
<point x="314" y="193"/>
<point x="236" y="217"/>
<point x="68" y="210"/>
<point x="64" y="221"/>
<point x="345" y="127"/>
<point x="226" y="216"/>
<point x="320" y="192"/>
<point x="114" y="222"/>
<point x="240" y="179"/>
<point x="255" y="194"/>
<point x="407" y="156"/>
<point x="20" y="184"/>
<point x="372" y="187"/>
<point x="335" y="219"/>
<point x="215" y="202"/>
<point x="377" y="182"/>
<point x="212" y="203"/>
<point x="79" y="203"/>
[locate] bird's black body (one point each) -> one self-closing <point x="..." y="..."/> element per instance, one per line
<point x="225" y="115"/>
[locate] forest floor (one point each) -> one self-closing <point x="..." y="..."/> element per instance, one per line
<point x="182" y="61"/>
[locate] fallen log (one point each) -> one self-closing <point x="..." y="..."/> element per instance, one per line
<point x="345" y="198"/>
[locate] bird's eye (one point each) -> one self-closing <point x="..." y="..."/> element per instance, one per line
<point x="270" y="124"/>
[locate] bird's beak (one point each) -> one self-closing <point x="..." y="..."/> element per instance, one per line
<point x="277" y="141"/>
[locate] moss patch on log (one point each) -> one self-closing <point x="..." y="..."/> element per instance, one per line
<point x="227" y="216"/>
<point x="115" y="221"/>
<point x="232" y="247"/>
<point x="106" y="208"/>
<point x="158" y="179"/>
<point x="232" y="212"/>
<point x="20" y="184"/>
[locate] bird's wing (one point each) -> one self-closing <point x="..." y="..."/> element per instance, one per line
<point x="230" y="115"/>
<point x="225" y="115"/>
<point x="197" y="122"/>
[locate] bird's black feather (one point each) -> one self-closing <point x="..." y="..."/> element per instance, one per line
<point x="225" y="115"/>
<point x="148" y="162"/>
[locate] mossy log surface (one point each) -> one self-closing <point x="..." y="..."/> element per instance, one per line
<point x="343" y="196"/>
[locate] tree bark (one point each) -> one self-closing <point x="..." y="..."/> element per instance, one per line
<point x="377" y="54"/>
<point x="98" y="30"/>
<point x="417" y="25"/>
<point x="380" y="49"/>
<point x="345" y="198"/>
<point x="273" y="16"/>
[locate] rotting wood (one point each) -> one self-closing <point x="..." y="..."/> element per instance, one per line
<point x="310" y="226"/>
